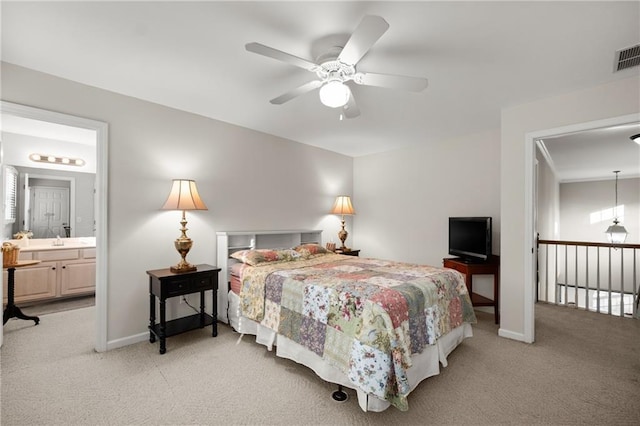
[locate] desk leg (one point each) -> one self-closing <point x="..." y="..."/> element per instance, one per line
<point x="163" y="327"/>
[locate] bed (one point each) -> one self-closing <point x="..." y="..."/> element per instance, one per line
<point x="377" y="326"/>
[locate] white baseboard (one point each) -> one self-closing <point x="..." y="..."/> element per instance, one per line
<point x="126" y="341"/>
<point x="512" y="335"/>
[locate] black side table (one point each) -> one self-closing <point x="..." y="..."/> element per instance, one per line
<point x="164" y="284"/>
<point x="12" y="310"/>
<point x="351" y="252"/>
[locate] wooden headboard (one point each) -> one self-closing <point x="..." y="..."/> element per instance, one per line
<point x="232" y="241"/>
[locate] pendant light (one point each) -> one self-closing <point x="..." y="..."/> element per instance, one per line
<point x="616" y="233"/>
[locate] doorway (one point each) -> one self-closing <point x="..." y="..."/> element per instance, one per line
<point x="531" y="204"/>
<point x="101" y="139"/>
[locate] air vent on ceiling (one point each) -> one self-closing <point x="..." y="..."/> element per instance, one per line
<point x="627" y="58"/>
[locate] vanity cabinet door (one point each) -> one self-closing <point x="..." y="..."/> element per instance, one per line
<point x="33" y="282"/>
<point x="77" y="276"/>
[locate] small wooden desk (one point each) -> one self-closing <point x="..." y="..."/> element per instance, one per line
<point x="471" y="268"/>
<point x="12" y="310"/>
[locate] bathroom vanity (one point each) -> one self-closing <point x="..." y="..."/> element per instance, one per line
<point x="63" y="271"/>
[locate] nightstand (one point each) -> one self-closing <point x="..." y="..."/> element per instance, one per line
<point x="351" y="252"/>
<point x="164" y="284"/>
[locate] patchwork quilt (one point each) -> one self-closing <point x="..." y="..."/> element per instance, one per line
<point x="364" y="316"/>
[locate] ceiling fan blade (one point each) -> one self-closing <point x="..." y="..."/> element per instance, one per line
<point x="270" y="52"/>
<point x="351" y="110"/>
<point x="301" y="90"/>
<point x="368" y="32"/>
<point x="414" y="84"/>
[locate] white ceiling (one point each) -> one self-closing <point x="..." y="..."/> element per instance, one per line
<point x="595" y="154"/>
<point x="479" y="57"/>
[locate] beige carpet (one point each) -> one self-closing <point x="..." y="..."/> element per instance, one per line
<point x="583" y="369"/>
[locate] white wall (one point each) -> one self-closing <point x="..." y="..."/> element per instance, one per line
<point x="249" y="180"/>
<point x="596" y="103"/>
<point x="403" y="199"/>
<point x="579" y="199"/>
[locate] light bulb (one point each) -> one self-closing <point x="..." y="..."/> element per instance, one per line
<point x="334" y="94"/>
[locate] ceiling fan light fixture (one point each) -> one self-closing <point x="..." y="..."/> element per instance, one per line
<point x="334" y="94"/>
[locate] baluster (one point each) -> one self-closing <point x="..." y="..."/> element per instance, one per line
<point x="566" y="274"/>
<point x="598" y="283"/>
<point x="610" y="302"/>
<point x="622" y="282"/>
<point x="636" y="287"/>
<point x="586" y="274"/>
<point x="546" y="281"/>
<point x="575" y="280"/>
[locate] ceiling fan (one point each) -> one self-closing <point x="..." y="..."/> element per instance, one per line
<point x="338" y="66"/>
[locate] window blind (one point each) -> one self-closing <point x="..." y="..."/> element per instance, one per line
<point x="10" y="194"/>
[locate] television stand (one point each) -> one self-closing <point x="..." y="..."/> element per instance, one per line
<point x="469" y="268"/>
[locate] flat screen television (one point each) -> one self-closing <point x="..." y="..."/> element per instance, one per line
<point x="470" y="238"/>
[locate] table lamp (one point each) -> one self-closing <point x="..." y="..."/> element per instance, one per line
<point x="343" y="207"/>
<point x="183" y="196"/>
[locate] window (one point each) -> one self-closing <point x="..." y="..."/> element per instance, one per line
<point x="10" y="194"/>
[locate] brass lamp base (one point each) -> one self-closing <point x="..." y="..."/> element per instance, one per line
<point x="183" y="244"/>
<point x="342" y="235"/>
<point x="183" y="267"/>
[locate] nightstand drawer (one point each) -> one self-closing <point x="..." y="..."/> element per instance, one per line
<point x="178" y="287"/>
<point x="203" y="282"/>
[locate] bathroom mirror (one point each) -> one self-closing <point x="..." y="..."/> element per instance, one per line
<point x="54" y="197"/>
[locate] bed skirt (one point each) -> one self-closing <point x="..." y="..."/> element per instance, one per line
<point x="425" y="364"/>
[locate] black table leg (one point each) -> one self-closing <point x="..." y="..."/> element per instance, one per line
<point x="163" y="327"/>
<point x="202" y="309"/>
<point x="152" y="317"/>
<point x="12" y="310"/>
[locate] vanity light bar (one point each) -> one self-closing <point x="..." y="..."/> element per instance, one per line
<point x="52" y="159"/>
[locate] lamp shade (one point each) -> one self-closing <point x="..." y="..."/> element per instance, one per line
<point x="616" y="234"/>
<point x="334" y="94"/>
<point x="343" y="206"/>
<point x="184" y="196"/>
